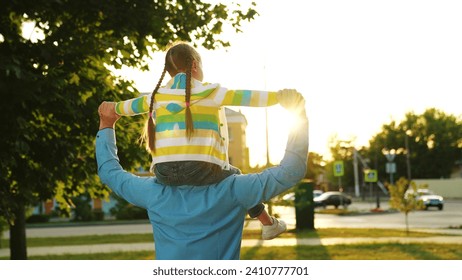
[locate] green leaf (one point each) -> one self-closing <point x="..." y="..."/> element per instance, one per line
<point x="74" y="79"/>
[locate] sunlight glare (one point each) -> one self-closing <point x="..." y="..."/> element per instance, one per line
<point x="280" y="122"/>
<point x="359" y="65"/>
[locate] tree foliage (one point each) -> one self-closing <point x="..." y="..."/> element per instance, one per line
<point x="341" y="150"/>
<point x="315" y="166"/>
<point x="433" y="140"/>
<point x="434" y="143"/>
<point x="403" y="197"/>
<point x="56" y="57"/>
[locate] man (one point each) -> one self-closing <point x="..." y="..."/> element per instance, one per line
<point x="202" y="222"/>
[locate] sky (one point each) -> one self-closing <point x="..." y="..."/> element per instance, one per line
<point x="359" y="65"/>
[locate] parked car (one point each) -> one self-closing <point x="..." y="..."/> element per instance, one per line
<point x="427" y="198"/>
<point x="291" y="196"/>
<point x="317" y="193"/>
<point x="332" y="199"/>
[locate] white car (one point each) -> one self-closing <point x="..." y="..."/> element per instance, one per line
<point x="429" y="199"/>
<point x="317" y="193"/>
<point x="291" y="196"/>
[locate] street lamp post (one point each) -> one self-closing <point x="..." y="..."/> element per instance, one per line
<point x="408" y="154"/>
<point x="391" y="166"/>
<point x="268" y="164"/>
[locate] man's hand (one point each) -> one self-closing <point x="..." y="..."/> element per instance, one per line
<point x="107" y="115"/>
<point x="291" y="100"/>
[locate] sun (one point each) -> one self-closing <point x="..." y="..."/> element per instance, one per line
<point x="273" y="121"/>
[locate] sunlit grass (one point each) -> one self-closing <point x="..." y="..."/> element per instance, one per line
<point x="374" y="251"/>
<point x="247" y="234"/>
<point x="393" y="251"/>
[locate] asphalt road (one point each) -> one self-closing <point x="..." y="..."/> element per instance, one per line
<point x="451" y="216"/>
<point x="433" y="218"/>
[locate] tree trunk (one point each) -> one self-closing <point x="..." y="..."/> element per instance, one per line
<point x="18" y="248"/>
<point x="407" y="224"/>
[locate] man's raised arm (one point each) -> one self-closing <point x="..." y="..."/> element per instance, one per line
<point x="111" y="173"/>
<point x="255" y="188"/>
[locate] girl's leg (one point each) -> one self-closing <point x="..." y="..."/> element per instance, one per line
<point x="265" y="219"/>
<point x="272" y="227"/>
<point x="259" y="212"/>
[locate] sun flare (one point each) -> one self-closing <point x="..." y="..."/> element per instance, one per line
<point x="279" y="123"/>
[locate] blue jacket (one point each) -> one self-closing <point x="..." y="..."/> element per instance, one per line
<point x="204" y="222"/>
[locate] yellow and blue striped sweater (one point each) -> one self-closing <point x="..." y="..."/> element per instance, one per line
<point x="210" y="139"/>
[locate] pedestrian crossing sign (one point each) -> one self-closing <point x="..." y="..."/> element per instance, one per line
<point x="338" y="168"/>
<point x="370" y="176"/>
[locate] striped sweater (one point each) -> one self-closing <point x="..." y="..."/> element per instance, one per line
<point x="209" y="141"/>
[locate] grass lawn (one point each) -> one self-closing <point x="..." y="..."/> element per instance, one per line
<point x="389" y="251"/>
<point x="247" y="234"/>
<point x="424" y="251"/>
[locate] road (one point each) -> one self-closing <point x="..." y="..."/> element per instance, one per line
<point x="451" y="216"/>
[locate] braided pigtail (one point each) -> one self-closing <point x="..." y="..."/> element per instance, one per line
<point x="188" y="118"/>
<point x="150" y="128"/>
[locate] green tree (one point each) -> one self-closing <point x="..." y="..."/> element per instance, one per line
<point x="403" y="197"/>
<point x="433" y="140"/>
<point x="53" y="78"/>
<point x="341" y="150"/>
<point x="315" y="166"/>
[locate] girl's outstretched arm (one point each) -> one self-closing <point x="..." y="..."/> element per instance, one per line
<point x="250" y="98"/>
<point x="135" y="106"/>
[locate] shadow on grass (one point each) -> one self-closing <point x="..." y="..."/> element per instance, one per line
<point x="297" y="252"/>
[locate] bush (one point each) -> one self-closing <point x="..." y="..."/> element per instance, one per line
<point x="98" y="215"/>
<point x="83" y="211"/>
<point x="131" y="212"/>
<point x="38" y="218"/>
<point x="126" y="211"/>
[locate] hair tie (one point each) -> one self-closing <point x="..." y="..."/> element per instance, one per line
<point x="187" y="103"/>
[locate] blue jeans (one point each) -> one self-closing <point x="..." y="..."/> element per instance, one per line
<point x="197" y="173"/>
